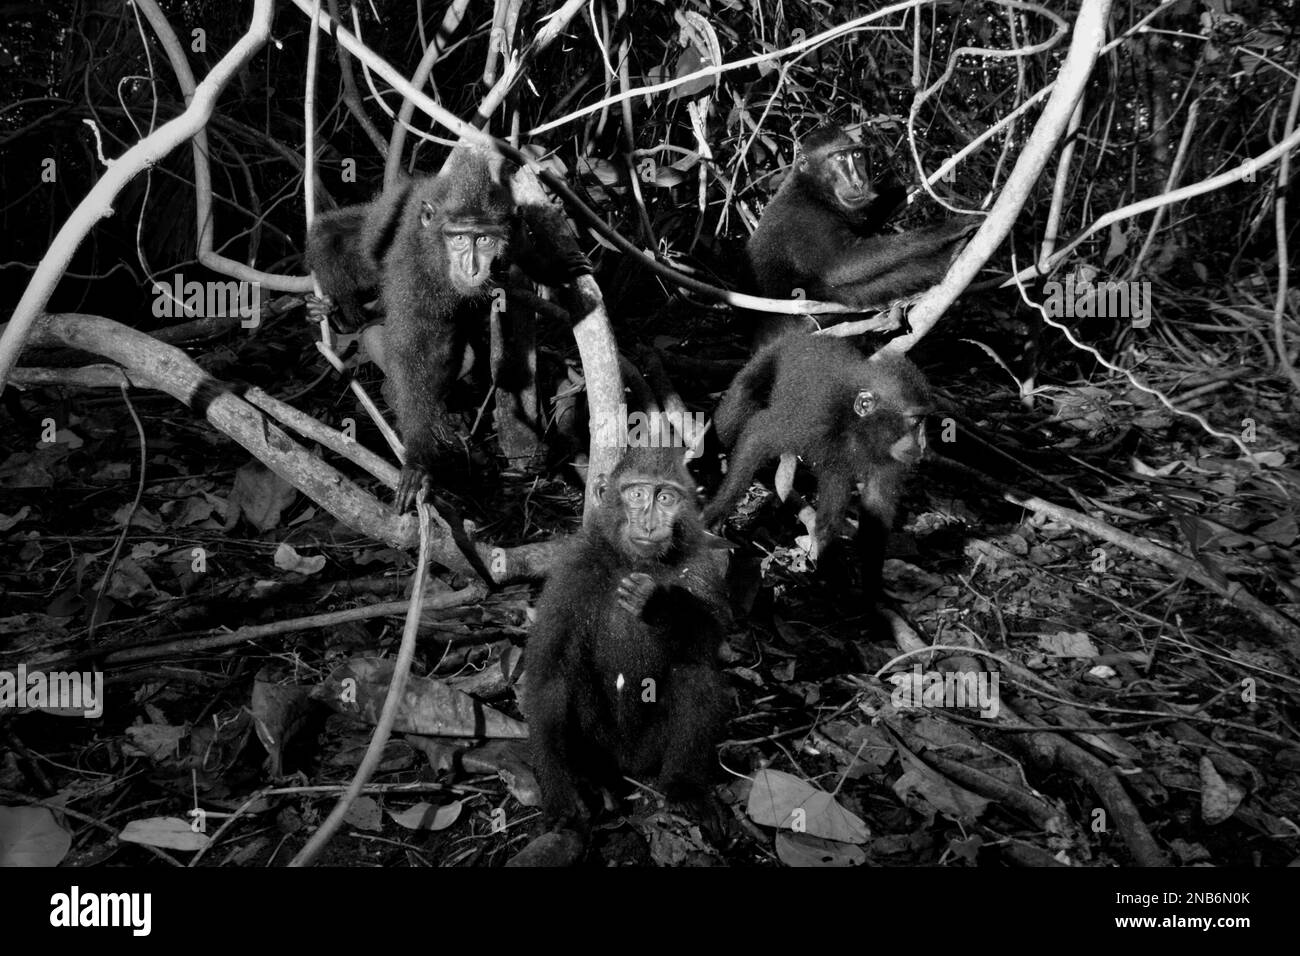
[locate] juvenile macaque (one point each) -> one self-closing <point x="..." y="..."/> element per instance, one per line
<point x="435" y="247"/>
<point x="853" y="419"/>
<point x="621" y="662"/>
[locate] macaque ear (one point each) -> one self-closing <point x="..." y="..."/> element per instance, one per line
<point x="601" y="486"/>
<point x="426" y="214"/>
<point x="864" y="403"/>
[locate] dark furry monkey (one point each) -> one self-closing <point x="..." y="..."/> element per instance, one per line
<point x="435" y="246"/>
<point x="621" y="671"/>
<point x="818" y="233"/>
<point x="853" y="419"/>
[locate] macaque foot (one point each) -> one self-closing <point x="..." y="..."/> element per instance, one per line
<point x="414" y="479"/>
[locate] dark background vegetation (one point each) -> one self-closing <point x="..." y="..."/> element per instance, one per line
<point x="81" y="79"/>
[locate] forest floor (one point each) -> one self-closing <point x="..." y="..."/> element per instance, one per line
<point x="1131" y="714"/>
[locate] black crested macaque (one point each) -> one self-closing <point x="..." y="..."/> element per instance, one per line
<point x="434" y="245"/>
<point x="622" y="676"/>
<point x="818" y="233"/>
<point x="854" y="419"/>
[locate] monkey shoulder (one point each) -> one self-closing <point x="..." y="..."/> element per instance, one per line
<point x="796" y="257"/>
<point x="564" y="619"/>
<point x="338" y="230"/>
<point x="586" y="567"/>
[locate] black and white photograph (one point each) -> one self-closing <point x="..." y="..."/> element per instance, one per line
<point x="574" y="434"/>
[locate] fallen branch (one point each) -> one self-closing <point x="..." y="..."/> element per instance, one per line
<point x="1235" y="594"/>
<point x="392" y="703"/>
<point x="148" y="363"/>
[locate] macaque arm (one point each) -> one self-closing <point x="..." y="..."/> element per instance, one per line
<point x="879" y="490"/>
<point x="878" y="494"/>
<point x="422" y="372"/>
<point x="922" y="255"/>
<point x="546" y="249"/>
<point x="695" y="721"/>
<point x="687" y="616"/>
<point x="833" y="490"/>
<point x="552" y="686"/>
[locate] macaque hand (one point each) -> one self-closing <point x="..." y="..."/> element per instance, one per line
<point x="634" y="592"/>
<point x="319" y="307"/>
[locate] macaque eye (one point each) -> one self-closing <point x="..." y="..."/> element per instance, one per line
<point x="864" y="403"/>
<point x="636" y="495"/>
<point x="669" y="498"/>
<point x="458" y="241"/>
<point x="426" y="214"/>
<point x="485" y="242"/>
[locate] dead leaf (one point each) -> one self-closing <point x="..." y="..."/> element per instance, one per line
<point x="199" y="508"/>
<point x="920" y="787"/>
<point x="1068" y="644"/>
<point x="159" y="742"/>
<point x="167" y="833"/>
<point x="260" y="495"/>
<point x="130" y="584"/>
<point x="1219" y="796"/>
<point x="1281" y="531"/>
<point x="7" y="521"/>
<point x="777" y="796"/>
<point x="287" y="558"/>
<point x="364" y="814"/>
<point x="279" y="711"/>
<point x="803" y="850"/>
<point x="426" y="816"/>
<point x="31" y="836"/>
<point x="358" y="688"/>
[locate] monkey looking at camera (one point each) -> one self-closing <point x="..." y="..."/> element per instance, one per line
<point x="621" y="671"/>
<point x="434" y="247"/>
<point x="853" y="419"/>
<point x="817" y="234"/>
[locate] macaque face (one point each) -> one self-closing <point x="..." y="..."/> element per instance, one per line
<point x="472" y="246"/>
<point x="845" y="170"/>
<point x="650" y="510"/>
<point x="903" y="428"/>
<point x="910" y="446"/>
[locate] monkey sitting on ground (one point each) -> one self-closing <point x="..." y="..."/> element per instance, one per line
<point x="817" y="234"/>
<point x="434" y="245"/>
<point x="852" y="418"/>
<point x="621" y="674"/>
